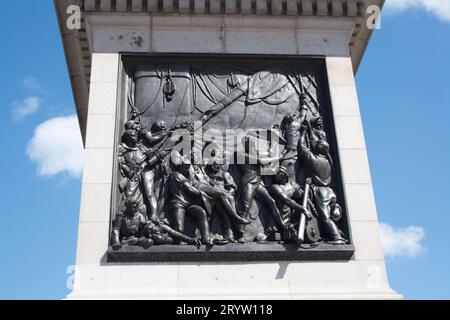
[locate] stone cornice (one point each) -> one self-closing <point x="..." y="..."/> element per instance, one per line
<point x="335" y="8"/>
<point x="78" y="49"/>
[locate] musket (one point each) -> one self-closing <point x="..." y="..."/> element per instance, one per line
<point x="302" y="223"/>
<point x="167" y="144"/>
<point x="303" y="92"/>
<point x="136" y="169"/>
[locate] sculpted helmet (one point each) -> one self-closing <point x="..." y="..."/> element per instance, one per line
<point x="131" y="124"/>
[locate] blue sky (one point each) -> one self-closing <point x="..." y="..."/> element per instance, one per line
<point x="404" y="95"/>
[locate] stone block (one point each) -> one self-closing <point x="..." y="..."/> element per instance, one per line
<point x="261" y="6"/>
<point x="344" y="100"/>
<point x="277" y="7"/>
<point x="214" y="6"/>
<point x="352" y="8"/>
<point x="355" y="166"/>
<point x="340" y="71"/>
<point x="230" y="7"/>
<point x="366" y="238"/>
<point x="93" y="238"/>
<point x="246" y="7"/>
<point x="168" y="40"/>
<point x="291" y="7"/>
<point x="337" y="8"/>
<point x="322" y="7"/>
<point x="121" y="5"/>
<point x="360" y="202"/>
<point x="199" y="6"/>
<point x="102" y="98"/>
<point x="89" y="5"/>
<point x="104" y="67"/>
<point x="349" y="132"/>
<point x="100" y="131"/>
<point x="168" y="6"/>
<point x="105" y="5"/>
<point x="98" y="166"/>
<point x="183" y="6"/>
<point x="322" y="42"/>
<point x="264" y="42"/>
<point x="136" y="5"/>
<point x="307" y="8"/>
<point x="95" y="203"/>
<point x="128" y="40"/>
<point x="152" y="6"/>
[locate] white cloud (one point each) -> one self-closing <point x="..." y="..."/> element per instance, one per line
<point x="26" y="107"/>
<point x="401" y="241"/>
<point x="56" y="147"/>
<point x="31" y="83"/>
<point x="440" y="8"/>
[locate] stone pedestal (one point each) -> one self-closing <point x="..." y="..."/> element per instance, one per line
<point x="297" y="28"/>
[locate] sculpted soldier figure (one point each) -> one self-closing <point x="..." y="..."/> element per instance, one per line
<point x="287" y="195"/>
<point x="318" y="166"/>
<point x="316" y="130"/>
<point x="292" y="124"/>
<point x="129" y="227"/>
<point x="215" y="189"/>
<point x="222" y="181"/>
<point x="137" y="162"/>
<point x="253" y="185"/>
<point x="157" y="134"/>
<point x="291" y="131"/>
<point x="185" y="199"/>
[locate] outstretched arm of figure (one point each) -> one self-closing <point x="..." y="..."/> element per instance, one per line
<point x="277" y="191"/>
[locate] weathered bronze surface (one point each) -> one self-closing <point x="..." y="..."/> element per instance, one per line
<point x="229" y="158"/>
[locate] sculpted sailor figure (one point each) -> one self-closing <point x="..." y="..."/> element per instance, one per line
<point x="253" y="185"/>
<point x="291" y="131"/>
<point x="223" y="184"/>
<point x="215" y="189"/>
<point x="318" y="166"/>
<point x="129" y="227"/>
<point x="137" y="162"/>
<point x="185" y="199"/>
<point x="151" y="139"/>
<point x="287" y="195"/>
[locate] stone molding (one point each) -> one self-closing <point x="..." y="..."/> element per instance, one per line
<point x="335" y="8"/>
<point x="78" y="48"/>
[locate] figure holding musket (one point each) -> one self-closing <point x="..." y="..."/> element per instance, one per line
<point x="318" y="166"/>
